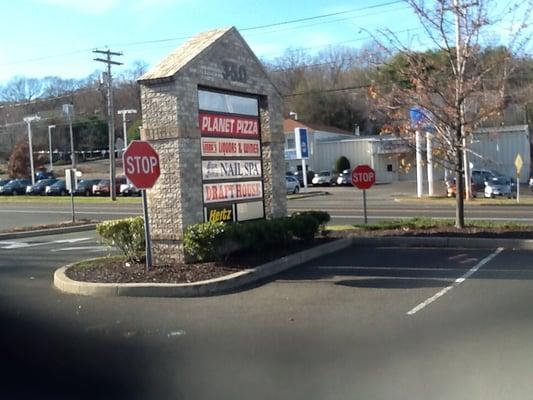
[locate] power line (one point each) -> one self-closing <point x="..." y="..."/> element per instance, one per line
<point x="162" y="40"/>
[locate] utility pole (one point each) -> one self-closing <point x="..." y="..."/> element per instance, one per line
<point x="110" y="117"/>
<point x="68" y="110"/>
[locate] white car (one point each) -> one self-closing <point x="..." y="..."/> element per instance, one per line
<point x="323" y="178"/>
<point x="292" y="184"/>
<point x="127" y="189"/>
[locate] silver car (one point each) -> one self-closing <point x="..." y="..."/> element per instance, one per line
<point x="500" y="186"/>
<point x="292" y="184"/>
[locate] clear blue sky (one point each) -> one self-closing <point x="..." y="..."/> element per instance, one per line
<point x="55" y="37"/>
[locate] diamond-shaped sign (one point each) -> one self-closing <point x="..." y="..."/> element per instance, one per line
<point x="518" y="163"/>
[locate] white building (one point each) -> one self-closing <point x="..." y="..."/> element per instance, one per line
<point x="393" y="158"/>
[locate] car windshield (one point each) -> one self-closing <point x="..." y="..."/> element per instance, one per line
<point x="58" y="184"/>
<point x="323" y="173"/>
<point x="500" y="180"/>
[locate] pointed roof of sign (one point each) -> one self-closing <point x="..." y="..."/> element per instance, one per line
<point x="183" y="55"/>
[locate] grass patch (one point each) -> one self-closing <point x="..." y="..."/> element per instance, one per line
<point x="429" y="223"/>
<point x="478" y="201"/>
<point x="66" y="199"/>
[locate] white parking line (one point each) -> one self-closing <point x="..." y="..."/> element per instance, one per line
<point x="456" y="283"/>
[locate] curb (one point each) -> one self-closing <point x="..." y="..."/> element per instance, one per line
<point x="242" y="278"/>
<point x="204" y="288"/>
<point x="48" y="231"/>
<point x="301" y="195"/>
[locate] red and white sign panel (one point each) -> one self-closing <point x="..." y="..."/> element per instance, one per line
<point x="228" y="125"/>
<point x="141" y="164"/>
<point x="363" y="177"/>
<point x="218" y="192"/>
<point x="220" y="147"/>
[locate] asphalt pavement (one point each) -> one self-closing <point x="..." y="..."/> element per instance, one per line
<point x="363" y="323"/>
<point x="345" y="205"/>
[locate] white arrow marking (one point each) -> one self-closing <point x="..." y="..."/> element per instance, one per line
<point x="85" y="248"/>
<point x="9" y="245"/>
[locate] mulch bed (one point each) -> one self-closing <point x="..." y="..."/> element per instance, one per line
<point x="113" y="270"/>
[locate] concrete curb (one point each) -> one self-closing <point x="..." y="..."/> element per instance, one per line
<point x="48" y="231"/>
<point x="302" y="195"/>
<point x="204" y="288"/>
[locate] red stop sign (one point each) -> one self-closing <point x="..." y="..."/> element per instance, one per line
<point x="141" y="164"/>
<point x="363" y="177"/>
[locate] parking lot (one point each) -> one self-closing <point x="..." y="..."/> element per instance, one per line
<point x="375" y="322"/>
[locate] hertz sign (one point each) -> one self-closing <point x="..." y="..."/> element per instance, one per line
<point x="219" y="214"/>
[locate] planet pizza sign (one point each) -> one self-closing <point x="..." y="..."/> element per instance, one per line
<point x="232" y="173"/>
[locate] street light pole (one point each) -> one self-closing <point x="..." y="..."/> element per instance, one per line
<point x="28" y="121"/>
<point x="68" y="109"/>
<point x="124" y="113"/>
<point x="50" y="127"/>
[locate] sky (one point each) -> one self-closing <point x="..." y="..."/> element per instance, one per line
<point x="56" y="37"/>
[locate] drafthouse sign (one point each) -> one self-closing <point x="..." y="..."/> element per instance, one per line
<point x="232" y="176"/>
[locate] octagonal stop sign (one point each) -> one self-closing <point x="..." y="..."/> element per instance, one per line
<point x="363" y="177"/>
<point x="141" y="164"/>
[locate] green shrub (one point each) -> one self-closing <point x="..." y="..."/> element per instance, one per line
<point x="341" y="164"/>
<point x="322" y="217"/>
<point x="304" y="227"/>
<point x="212" y="240"/>
<point x="126" y="234"/>
<point x="202" y="241"/>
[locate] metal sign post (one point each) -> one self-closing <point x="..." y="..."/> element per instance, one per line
<point x="518" y="163"/>
<point x="364" y="206"/>
<point x="147" y="240"/>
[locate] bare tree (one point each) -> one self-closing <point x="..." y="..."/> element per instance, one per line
<point x="21" y="89"/>
<point x="460" y="82"/>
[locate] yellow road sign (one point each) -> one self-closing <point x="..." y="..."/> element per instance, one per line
<point x="518" y="163"/>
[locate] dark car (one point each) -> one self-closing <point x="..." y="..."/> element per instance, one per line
<point x="4" y="182"/>
<point x="102" y="187"/>
<point x="59" y="188"/>
<point x="40" y="187"/>
<point x="14" y="187"/>
<point x="40" y="175"/>
<point x="85" y="187"/>
<point x="310" y="174"/>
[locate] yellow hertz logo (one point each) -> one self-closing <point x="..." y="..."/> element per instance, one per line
<point x="222" y="215"/>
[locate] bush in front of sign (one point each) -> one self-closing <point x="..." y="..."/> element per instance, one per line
<point x="127" y="234"/>
<point x="304" y="227"/>
<point x="202" y="241"/>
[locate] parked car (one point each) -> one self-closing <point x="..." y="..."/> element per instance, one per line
<point x="40" y="175"/>
<point x="345" y="178"/>
<point x="500" y="186"/>
<point x="40" y="187"/>
<point x="530" y="183"/>
<point x="451" y="189"/>
<point x="481" y="176"/>
<point x="323" y="178"/>
<point x="127" y="189"/>
<point x="102" y="187"/>
<point x="85" y="187"/>
<point x="4" y="182"/>
<point x="15" y="186"/>
<point x="292" y="184"/>
<point x="298" y="175"/>
<point x="58" y="188"/>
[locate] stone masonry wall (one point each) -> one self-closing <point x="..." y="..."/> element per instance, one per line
<point x="170" y="123"/>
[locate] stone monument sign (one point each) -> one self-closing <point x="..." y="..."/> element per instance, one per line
<point x="215" y="118"/>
